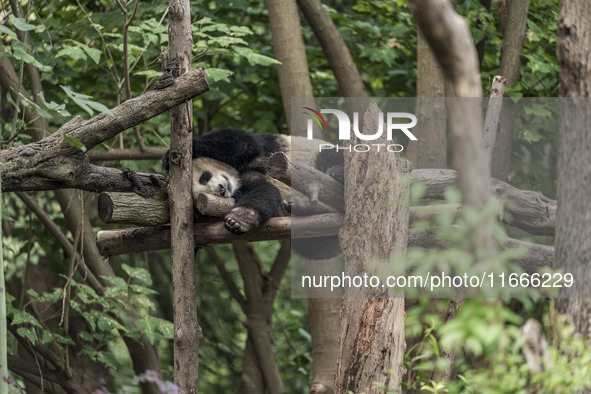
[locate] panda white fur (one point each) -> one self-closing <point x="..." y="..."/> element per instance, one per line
<point x="214" y="177"/>
<point x="227" y="163"/>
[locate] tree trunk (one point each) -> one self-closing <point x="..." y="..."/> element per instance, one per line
<point x="260" y="290"/>
<point x="514" y="19"/>
<point x="372" y="329"/>
<point x="187" y="332"/>
<point x="449" y="36"/>
<point x="513" y="35"/>
<point x="573" y="232"/>
<point x="324" y="317"/>
<point x="288" y="44"/>
<point x="294" y="80"/>
<point x="430" y="151"/>
<point x="334" y="48"/>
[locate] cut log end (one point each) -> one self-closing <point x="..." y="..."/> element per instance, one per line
<point x="105" y="207"/>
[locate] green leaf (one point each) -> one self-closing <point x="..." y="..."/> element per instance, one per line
<point x="10" y="33"/>
<point x="84" y="101"/>
<point x="452" y="195"/>
<point x="27" y="333"/>
<point x="117" y="282"/>
<point x="22" y="317"/>
<point x="255" y="58"/>
<point x="20" y="23"/>
<point x="74" y="53"/>
<point x="93" y="53"/>
<point x="74" y="142"/>
<point x="217" y="74"/>
<point x="32" y="293"/>
<point x="107" y="323"/>
<point x="147" y="328"/>
<point x="136" y="289"/>
<point x="107" y="359"/>
<point x="166" y="328"/>
<point x="85" y="336"/>
<point x="138" y="273"/>
<point x="46" y="337"/>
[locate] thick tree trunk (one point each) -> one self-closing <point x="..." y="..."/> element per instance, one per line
<point x="294" y="80"/>
<point x="430" y="151"/>
<point x="324" y="317"/>
<point x="334" y="48"/>
<point x="187" y="332"/>
<point x="449" y="37"/>
<point x="573" y="218"/>
<point x="514" y="19"/>
<point x="260" y="290"/>
<point x="372" y="329"/>
<point x="288" y="44"/>
<point x="513" y="35"/>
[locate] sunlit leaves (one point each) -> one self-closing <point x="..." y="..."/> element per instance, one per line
<point x="79" y="51"/>
<point x="84" y="101"/>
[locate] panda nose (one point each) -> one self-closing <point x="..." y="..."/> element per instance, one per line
<point x="222" y="190"/>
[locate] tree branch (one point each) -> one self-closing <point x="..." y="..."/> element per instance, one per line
<point x="126" y="154"/>
<point x="528" y="210"/>
<point x="55" y="159"/>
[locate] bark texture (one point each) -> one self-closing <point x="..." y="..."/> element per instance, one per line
<point x="334" y="48"/>
<point x="260" y="290"/>
<point x="513" y="30"/>
<point x="430" y="151"/>
<point x="129" y="208"/>
<point x="573" y="232"/>
<point x="288" y="45"/>
<point x="372" y="330"/>
<point x="145" y="239"/>
<point x="52" y="163"/>
<point x="449" y="36"/>
<point x="493" y="113"/>
<point x="529" y="211"/>
<point x="294" y="80"/>
<point x="324" y="317"/>
<point x="513" y="23"/>
<point x="187" y="332"/>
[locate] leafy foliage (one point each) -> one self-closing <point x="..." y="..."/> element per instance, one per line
<point x="78" y="47"/>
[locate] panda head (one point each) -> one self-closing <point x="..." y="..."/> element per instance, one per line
<point x="214" y="177"/>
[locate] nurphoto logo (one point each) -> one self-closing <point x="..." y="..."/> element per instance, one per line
<point x="392" y="124"/>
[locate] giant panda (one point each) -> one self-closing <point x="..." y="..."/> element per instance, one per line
<point x="228" y="163"/>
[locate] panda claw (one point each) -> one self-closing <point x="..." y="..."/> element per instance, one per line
<point x="241" y="220"/>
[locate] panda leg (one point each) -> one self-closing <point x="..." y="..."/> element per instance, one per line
<point x="256" y="202"/>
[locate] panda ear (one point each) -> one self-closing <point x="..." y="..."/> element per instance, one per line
<point x="205" y="177"/>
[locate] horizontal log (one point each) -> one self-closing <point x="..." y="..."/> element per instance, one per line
<point x="537" y="257"/>
<point x="146" y="239"/>
<point x="130" y="208"/>
<point x="527" y="210"/>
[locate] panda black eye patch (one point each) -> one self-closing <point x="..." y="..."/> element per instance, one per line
<point x="205" y="177"/>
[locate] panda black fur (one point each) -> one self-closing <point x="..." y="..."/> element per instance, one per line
<point x="227" y="163"/>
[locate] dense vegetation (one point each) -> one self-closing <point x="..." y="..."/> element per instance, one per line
<point x="79" y="48"/>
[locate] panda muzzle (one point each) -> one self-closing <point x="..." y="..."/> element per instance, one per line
<point x="222" y="190"/>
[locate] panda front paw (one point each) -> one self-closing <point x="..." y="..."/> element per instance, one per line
<point x="241" y="220"/>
